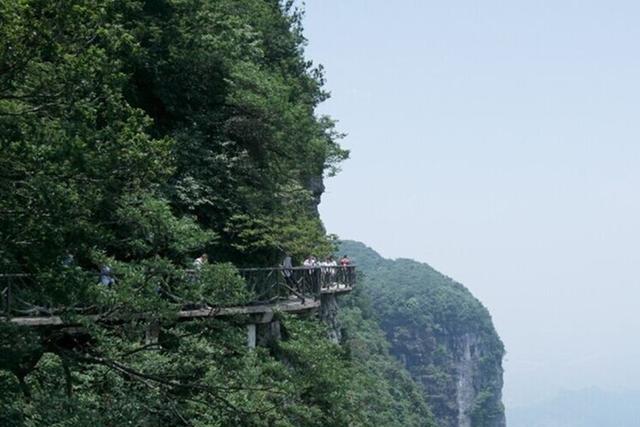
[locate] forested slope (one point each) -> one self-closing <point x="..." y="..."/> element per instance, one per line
<point x="138" y="135"/>
<point x="441" y="334"/>
<point x="124" y="122"/>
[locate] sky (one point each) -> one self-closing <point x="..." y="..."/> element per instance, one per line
<point x="499" y="141"/>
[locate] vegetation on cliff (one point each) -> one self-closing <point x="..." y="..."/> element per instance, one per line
<point x="440" y="333"/>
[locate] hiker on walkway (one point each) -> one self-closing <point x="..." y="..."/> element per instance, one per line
<point x="345" y="271"/>
<point x="287" y="271"/>
<point x="310" y="262"/>
<point x="345" y="261"/>
<point x="194" y="275"/>
<point x="327" y="269"/>
<point x="330" y="270"/>
<point x="199" y="262"/>
<point x="106" y="276"/>
<point x="312" y="280"/>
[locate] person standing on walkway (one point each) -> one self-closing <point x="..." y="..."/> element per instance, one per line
<point x="345" y="263"/>
<point x="312" y="281"/>
<point x="106" y="276"/>
<point x="287" y="271"/>
<point x="331" y="270"/>
<point x="310" y="262"/>
<point x="199" y="262"/>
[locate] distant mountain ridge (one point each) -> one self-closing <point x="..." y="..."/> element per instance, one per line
<point x="442" y="335"/>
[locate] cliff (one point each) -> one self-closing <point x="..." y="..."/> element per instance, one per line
<point x="440" y="333"/>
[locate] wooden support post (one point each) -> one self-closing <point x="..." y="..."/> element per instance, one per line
<point x="68" y="379"/>
<point x="268" y="333"/>
<point x="251" y="335"/>
<point x="152" y="332"/>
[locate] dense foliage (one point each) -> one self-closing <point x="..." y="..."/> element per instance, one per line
<point x="159" y="128"/>
<point x="428" y="320"/>
<point x="139" y="134"/>
<point x="197" y="373"/>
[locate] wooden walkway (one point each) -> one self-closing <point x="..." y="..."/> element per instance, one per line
<point x="259" y="313"/>
<point x="285" y="290"/>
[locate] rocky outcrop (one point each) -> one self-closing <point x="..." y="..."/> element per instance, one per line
<point x="464" y="365"/>
<point x="316" y="186"/>
<point x="329" y="315"/>
<point x="460" y="373"/>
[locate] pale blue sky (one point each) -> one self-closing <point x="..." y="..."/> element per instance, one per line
<point x="499" y="142"/>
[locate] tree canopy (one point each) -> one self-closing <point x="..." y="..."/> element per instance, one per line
<point x="159" y="128"/>
<point x="139" y="134"/>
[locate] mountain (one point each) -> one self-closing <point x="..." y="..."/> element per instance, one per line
<point x="138" y="135"/>
<point x="583" y="408"/>
<point x="440" y="333"/>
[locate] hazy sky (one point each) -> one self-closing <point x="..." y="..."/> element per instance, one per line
<point x="499" y="141"/>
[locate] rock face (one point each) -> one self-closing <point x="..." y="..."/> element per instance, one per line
<point x="329" y="315"/>
<point x="464" y="368"/>
<point x="442" y="335"/>
<point x="461" y="381"/>
<point x="315" y="185"/>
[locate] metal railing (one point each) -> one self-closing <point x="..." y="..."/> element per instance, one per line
<point x="269" y="284"/>
<point x="265" y="285"/>
<point x="8" y="283"/>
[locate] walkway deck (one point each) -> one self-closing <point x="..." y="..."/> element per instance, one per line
<point x="294" y="290"/>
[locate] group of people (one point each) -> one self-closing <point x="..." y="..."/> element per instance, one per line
<point x="311" y="261"/>
<point x="105" y="276"/>
<point x="328" y="269"/>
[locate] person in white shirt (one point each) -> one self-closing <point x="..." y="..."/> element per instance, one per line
<point x="199" y="262"/>
<point x="327" y="271"/>
<point x="310" y="262"/>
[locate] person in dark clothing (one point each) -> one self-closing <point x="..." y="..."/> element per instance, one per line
<point x="106" y="276"/>
<point x="287" y="271"/>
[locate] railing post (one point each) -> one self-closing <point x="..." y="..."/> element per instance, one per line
<point x="9" y="297"/>
<point x="317" y="283"/>
<point x="251" y="335"/>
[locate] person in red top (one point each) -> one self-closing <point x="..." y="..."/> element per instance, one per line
<point x="345" y="272"/>
<point x="345" y="261"/>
